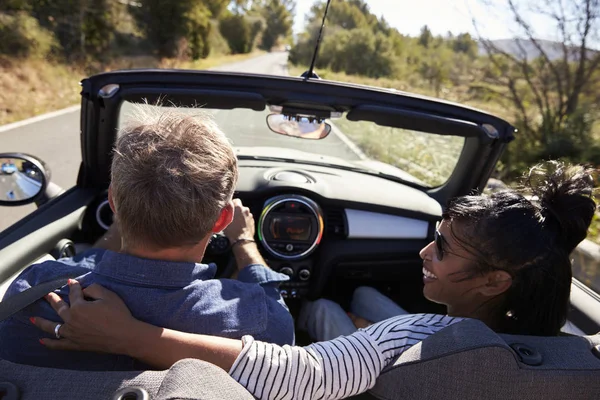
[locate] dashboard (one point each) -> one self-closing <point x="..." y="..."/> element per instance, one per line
<point x="317" y="223"/>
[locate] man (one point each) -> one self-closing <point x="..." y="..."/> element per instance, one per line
<point x="173" y="177"/>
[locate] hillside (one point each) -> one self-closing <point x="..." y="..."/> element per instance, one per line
<point x="525" y="48"/>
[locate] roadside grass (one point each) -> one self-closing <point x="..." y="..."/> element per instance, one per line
<point x="428" y="157"/>
<point x="31" y="87"/>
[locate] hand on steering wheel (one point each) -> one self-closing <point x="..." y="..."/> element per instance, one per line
<point x="242" y="226"/>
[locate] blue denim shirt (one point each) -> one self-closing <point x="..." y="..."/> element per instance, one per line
<point x="177" y="295"/>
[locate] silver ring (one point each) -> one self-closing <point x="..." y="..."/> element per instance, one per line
<point x="56" y="330"/>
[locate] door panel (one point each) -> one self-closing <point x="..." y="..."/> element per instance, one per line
<point x="37" y="234"/>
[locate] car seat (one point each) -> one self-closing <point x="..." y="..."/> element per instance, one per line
<point x="187" y="379"/>
<point x="469" y="361"/>
<point x="464" y="361"/>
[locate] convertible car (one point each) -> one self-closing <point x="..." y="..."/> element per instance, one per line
<point x="348" y="182"/>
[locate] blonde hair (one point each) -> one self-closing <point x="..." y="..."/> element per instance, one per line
<point x="172" y="174"/>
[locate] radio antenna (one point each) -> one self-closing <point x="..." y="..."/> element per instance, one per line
<point x="310" y="73"/>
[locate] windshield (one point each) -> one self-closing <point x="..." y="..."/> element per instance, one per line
<point x="422" y="158"/>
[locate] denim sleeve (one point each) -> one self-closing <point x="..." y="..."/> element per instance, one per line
<point x="49" y="270"/>
<point x="258" y="273"/>
<point x="280" y="326"/>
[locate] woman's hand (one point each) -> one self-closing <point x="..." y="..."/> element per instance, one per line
<point x="359" y="322"/>
<point x="104" y="324"/>
<point x="97" y="320"/>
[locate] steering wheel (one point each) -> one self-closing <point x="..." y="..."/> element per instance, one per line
<point x="219" y="246"/>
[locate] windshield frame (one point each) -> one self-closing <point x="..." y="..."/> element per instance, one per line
<point x="228" y="90"/>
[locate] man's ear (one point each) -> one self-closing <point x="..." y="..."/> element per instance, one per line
<point x="497" y="282"/>
<point x="111" y="202"/>
<point x="224" y="219"/>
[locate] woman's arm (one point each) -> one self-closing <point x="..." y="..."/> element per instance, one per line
<point x="334" y="369"/>
<point x="331" y="370"/>
<point x="106" y="325"/>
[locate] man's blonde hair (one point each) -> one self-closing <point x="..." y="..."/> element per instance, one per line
<point x="172" y="174"/>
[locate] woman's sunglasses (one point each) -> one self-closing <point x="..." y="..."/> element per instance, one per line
<point x="439" y="242"/>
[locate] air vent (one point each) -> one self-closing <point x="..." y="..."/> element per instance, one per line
<point x="335" y="222"/>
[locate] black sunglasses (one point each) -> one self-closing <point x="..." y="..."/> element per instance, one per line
<point x="439" y="242"/>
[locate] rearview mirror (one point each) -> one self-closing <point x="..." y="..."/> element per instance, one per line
<point x="23" y="179"/>
<point x="298" y="126"/>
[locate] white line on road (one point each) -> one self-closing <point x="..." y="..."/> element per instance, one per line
<point x="38" y="118"/>
<point x="355" y="149"/>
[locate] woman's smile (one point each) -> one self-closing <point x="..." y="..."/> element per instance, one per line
<point x="428" y="276"/>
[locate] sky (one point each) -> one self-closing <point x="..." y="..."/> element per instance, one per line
<point x="441" y="16"/>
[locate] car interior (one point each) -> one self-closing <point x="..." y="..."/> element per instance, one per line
<point x="330" y="215"/>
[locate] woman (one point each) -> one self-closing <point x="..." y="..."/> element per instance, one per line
<point x="503" y="259"/>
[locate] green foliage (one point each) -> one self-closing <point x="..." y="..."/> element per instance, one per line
<point x="346" y="14"/>
<point x="464" y="43"/>
<point x="22" y="36"/>
<point x="197" y="29"/>
<point x="426" y="37"/>
<point x="15" y="5"/>
<point x="96" y="29"/>
<point x="435" y="68"/>
<point x="176" y="28"/>
<point x="83" y="28"/>
<point x="572" y="141"/>
<point x="218" y="44"/>
<point x="358" y="43"/>
<point x="359" y="52"/>
<point x="278" y="17"/>
<point x="216" y="7"/>
<point x="240" y="32"/>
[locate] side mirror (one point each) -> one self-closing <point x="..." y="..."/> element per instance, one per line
<point x="23" y="179"/>
<point x="298" y="126"/>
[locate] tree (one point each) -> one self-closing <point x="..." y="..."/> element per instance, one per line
<point x="426" y="37"/>
<point x="346" y="14"/>
<point x="436" y="67"/>
<point x="175" y="27"/>
<point x="278" y="16"/>
<point x="22" y="36"/>
<point x="240" y="31"/>
<point x="83" y="27"/>
<point x="216" y="7"/>
<point x="547" y="92"/>
<point x="464" y="43"/>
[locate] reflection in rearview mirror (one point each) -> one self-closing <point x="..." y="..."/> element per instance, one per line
<point x="20" y="180"/>
<point x="298" y="126"/>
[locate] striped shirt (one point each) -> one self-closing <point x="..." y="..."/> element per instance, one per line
<point x="335" y="369"/>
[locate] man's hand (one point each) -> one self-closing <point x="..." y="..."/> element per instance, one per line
<point x="241" y="236"/>
<point x="103" y="324"/>
<point x="242" y="226"/>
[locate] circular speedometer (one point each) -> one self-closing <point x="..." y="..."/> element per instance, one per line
<point x="290" y="226"/>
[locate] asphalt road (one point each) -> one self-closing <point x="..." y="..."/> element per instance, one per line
<point x="17" y="186"/>
<point x="54" y="138"/>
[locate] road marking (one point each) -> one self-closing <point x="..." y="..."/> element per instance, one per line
<point x="355" y="149"/>
<point x="38" y="118"/>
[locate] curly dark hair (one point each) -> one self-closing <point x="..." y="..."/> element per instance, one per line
<point x="528" y="233"/>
